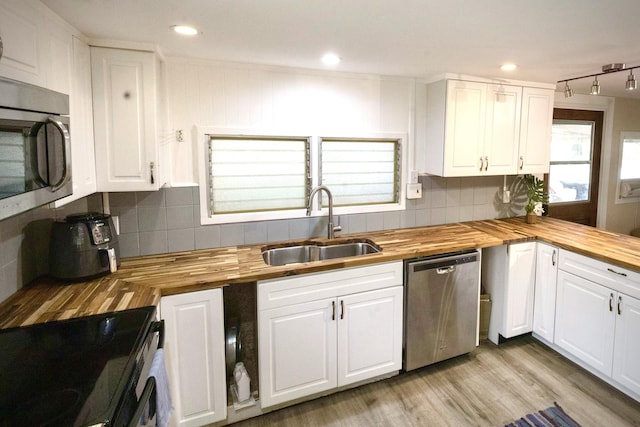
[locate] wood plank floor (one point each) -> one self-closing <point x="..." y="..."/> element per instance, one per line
<point x="490" y="387"/>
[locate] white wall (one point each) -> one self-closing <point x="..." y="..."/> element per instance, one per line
<point x="278" y="100"/>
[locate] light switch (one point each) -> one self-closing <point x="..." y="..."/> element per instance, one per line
<point x="414" y="191"/>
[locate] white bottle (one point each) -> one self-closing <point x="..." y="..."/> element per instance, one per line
<point x="242" y="382"/>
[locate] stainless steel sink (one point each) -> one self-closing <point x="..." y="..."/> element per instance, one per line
<point x="312" y="251"/>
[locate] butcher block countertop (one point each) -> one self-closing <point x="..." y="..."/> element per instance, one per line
<point x="141" y="281"/>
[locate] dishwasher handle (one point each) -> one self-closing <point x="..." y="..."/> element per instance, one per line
<point x="442" y="265"/>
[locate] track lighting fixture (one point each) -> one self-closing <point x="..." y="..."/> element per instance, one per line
<point x="631" y="83"/>
<point x="595" y="87"/>
<point x="568" y="92"/>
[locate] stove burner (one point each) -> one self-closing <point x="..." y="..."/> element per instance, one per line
<point x="49" y="409"/>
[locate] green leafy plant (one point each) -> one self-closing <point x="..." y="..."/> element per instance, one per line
<point x="535" y="194"/>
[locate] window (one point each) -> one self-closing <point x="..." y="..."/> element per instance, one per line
<point x="629" y="180"/>
<point x="262" y="177"/>
<point x="256" y="174"/>
<point x="570" y="161"/>
<point x="361" y="171"/>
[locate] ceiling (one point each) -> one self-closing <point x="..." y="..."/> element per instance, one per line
<point x="549" y="40"/>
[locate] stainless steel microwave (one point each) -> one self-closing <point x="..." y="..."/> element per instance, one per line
<point x="35" y="147"/>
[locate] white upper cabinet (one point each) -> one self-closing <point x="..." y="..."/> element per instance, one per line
<point x="126" y="85"/>
<point x="22" y="28"/>
<point x="502" y="129"/>
<point x="535" y="130"/>
<point x="477" y="128"/>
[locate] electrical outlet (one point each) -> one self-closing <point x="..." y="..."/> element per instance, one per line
<point x="414" y="191"/>
<point x="506" y="196"/>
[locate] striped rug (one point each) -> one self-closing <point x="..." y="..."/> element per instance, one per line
<point x="553" y="416"/>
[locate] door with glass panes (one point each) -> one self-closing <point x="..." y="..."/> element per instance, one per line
<point x="574" y="169"/>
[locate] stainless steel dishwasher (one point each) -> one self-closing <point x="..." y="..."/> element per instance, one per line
<point x="441" y="307"/>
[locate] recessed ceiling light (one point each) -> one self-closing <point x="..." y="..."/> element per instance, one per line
<point x="185" y="30"/>
<point x="330" y="59"/>
<point x="508" y="67"/>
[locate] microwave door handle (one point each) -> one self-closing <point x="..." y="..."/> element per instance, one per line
<point x="66" y="175"/>
<point x="37" y="146"/>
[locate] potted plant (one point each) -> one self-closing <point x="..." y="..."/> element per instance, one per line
<point x="536" y="197"/>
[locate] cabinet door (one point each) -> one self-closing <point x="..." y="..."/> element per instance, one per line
<point x="194" y="347"/>
<point x="369" y="334"/>
<point x="518" y="317"/>
<point x="22" y="30"/>
<point x="535" y="130"/>
<point x="502" y="129"/>
<point x="585" y="320"/>
<point x="124" y="107"/>
<point x="465" y="127"/>
<point x="81" y="126"/>
<point x="59" y="51"/>
<point x="544" y="306"/>
<point x="297" y="351"/>
<point x="626" y="369"/>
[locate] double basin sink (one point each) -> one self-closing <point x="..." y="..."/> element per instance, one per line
<point x="317" y="251"/>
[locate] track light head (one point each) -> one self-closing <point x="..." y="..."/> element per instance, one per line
<point x="568" y="92"/>
<point x="595" y="87"/>
<point x="632" y="84"/>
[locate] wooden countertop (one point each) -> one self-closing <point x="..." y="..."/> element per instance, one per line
<point x="141" y="281"/>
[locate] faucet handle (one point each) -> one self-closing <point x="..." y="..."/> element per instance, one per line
<point x="337" y="228"/>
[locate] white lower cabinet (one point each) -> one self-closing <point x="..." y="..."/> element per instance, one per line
<point x="626" y="369"/>
<point x="585" y="320"/>
<point x="321" y="331"/>
<point x="544" y="308"/>
<point x="369" y="334"/>
<point x="599" y="323"/>
<point x="508" y="274"/>
<point x="195" y="352"/>
<point x="297" y="349"/>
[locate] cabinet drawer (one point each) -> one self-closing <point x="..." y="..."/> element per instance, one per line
<point x="614" y="277"/>
<point x="310" y="287"/>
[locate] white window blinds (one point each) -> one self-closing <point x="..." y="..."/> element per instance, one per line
<point x="257" y="174"/>
<point x="361" y="171"/>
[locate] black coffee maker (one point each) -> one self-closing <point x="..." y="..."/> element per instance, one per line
<point x="83" y="246"/>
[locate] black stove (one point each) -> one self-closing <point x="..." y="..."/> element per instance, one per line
<point x="78" y="372"/>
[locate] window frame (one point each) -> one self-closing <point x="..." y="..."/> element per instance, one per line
<point x="619" y="198"/>
<point x="206" y="218"/>
<point x="576" y="162"/>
